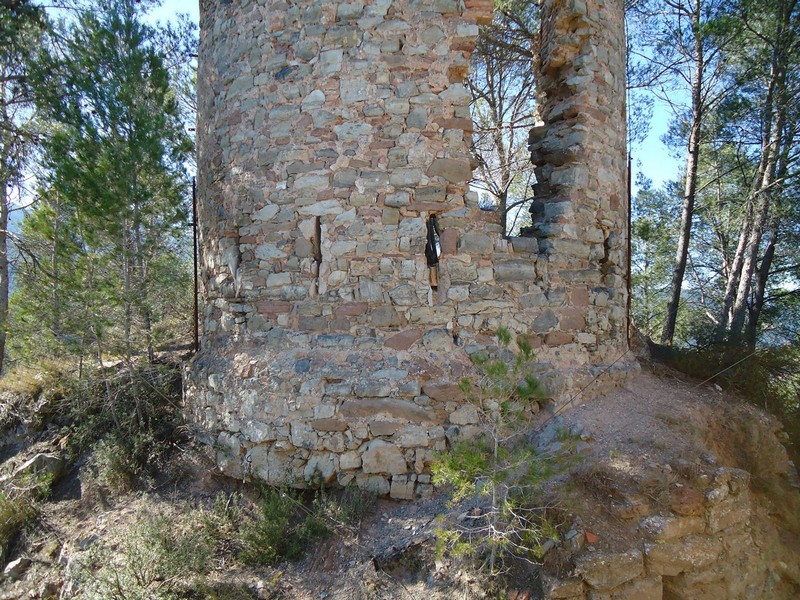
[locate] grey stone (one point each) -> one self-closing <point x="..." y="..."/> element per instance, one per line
<point x="453" y="170"/>
<point x="41" y="464"/>
<point x="383" y="457"/>
<point x="417" y="119"/>
<point x="405" y="177"/>
<point x="604" y="571"/>
<point x="544" y="322"/>
<point x="398" y="199"/>
<point x="16" y="568"/>
<point x="372" y="389"/>
<point x="437" y="340"/>
<point x="515" y="270"/>
<point x="467" y="414"/>
<point x="477" y="243"/>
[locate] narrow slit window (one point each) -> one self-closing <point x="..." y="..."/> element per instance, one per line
<point x="316" y="249"/>
<point x="433" y="250"/>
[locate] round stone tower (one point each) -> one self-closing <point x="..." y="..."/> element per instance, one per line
<point x="349" y="274"/>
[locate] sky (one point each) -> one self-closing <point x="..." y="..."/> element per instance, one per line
<point x="170" y="8"/>
<point x="651" y="157"/>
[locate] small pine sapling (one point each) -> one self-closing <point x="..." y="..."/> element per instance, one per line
<point x="498" y="469"/>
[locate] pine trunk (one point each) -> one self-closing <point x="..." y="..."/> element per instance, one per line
<point x="690" y="186"/>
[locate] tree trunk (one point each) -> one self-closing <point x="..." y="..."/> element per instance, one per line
<point x="734" y="273"/>
<point x="690" y="186"/>
<point x="774" y="117"/>
<point x="3" y="269"/>
<point x="761" y="286"/>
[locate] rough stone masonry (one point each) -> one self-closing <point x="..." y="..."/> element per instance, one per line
<point x="330" y="134"/>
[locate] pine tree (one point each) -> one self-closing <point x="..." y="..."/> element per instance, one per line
<point x="115" y="181"/>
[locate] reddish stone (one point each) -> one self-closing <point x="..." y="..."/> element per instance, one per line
<point x="329" y="425"/>
<point x="465" y="45"/>
<point x="448" y="241"/>
<point x="457" y="74"/>
<point x="384" y="427"/>
<point x="273" y="307"/>
<point x="443" y="392"/>
<point x="558" y="338"/>
<point x="687" y="501"/>
<point x="325" y="194"/>
<point x="579" y="296"/>
<point x="351" y="309"/>
<point x="572" y="319"/>
<point x="403" y="340"/>
<point x="454" y="123"/>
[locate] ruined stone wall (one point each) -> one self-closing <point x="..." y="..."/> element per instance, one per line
<point x="701" y="549"/>
<point x="329" y="134"/>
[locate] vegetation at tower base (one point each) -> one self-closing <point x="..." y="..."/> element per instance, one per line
<point x="500" y="469"/>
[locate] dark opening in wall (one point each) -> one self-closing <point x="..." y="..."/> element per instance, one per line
<point x="433" y="250"/>
<point x="316" y="248"/>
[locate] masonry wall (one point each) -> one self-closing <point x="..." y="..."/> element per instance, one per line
<point x="329" y="134"/>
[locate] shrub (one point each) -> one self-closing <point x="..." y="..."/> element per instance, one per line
<point x="282" y="528"/>
<point x="156" y="560"/>
<point x="126" y="419"/>
<point x="766" y="377"/>
<point x="19" y="505"/>
<point x="15" y="513"/>
<point x="499" y="470"/>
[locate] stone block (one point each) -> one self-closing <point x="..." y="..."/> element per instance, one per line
<point x="437" y="340"/>
<point x="385" y="316"/>
<point x="412" y="436"/>
<point x="453" y="170"/>
<point x="467" y="414"/>
<point x="376" y="484"/>
<point x="603" y="571"/>
<point x="443" y="392"/>
<point x="515" y="270"/>
<point x="383" y="457"/>
<point x="555" y="588"/>
<point x="524" y="245"/>
<point x="430" y="194"/>
<point x="668" y="528"/>
<point x="350" y="460"/>
<point x="402" y="488"/>
<point x="372" y="389"/>
<point x="690" y="553"/>
<point x="734" y="510"/>
<point x="330" y="424"/>
<point x="461" y="273"/>
<point x="476" y="243"/>
<point x="646" y="588"/>
<point x="391" y="407"/>
<point x="403" y="340"/>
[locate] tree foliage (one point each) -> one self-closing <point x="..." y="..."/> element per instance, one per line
<point x="110" y="271"/>
<point x="739" y="277"/>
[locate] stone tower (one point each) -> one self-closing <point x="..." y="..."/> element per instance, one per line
<point x="334" y="141"/>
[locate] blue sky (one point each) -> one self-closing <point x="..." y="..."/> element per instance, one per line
<point x="170" y="8"/>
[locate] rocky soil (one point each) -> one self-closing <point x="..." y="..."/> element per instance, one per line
<point x="678" y="485"/>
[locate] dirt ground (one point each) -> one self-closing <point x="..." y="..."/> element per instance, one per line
<point x="636" y="444"/>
